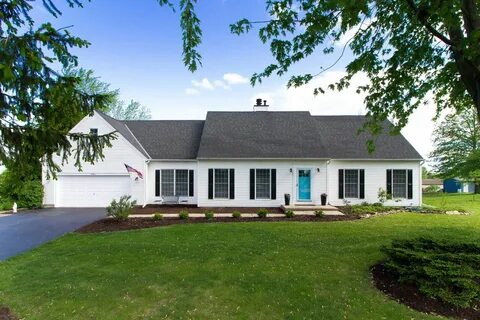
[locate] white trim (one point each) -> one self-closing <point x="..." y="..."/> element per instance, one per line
<point x="269" y="182"/>
<point x="119" y="134"/>
<point x="261" y="159"/>
<point x="92" y="174"/>
<point x="298" y="184"/>
<point x="228" y="184"/>
<point x="358" y="184"/>
<point x="136" y="140"/>
<point x="173" y="160"/>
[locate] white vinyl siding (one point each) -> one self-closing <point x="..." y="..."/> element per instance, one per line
<point x="221" y="184"/>
<point x="351" y="183"/>
<point x="263" y="184"/>
<point x="375" y="179"/>
<point x="399" y="184"/>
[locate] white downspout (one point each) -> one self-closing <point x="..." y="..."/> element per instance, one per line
<point x="326" y="181"/>
<point x="145" y="187"/>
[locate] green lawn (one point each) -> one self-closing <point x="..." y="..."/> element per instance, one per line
<point x="217" y="271"/>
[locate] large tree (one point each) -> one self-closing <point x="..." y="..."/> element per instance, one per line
<point x="457" y="146"/>
<point x="38" y="105"/>
<point x="89" y="83"/>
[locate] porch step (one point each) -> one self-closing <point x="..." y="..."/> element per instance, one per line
<point x="308" y="207"/>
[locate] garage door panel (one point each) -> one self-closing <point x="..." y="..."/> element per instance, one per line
<point x="91" y="191"/>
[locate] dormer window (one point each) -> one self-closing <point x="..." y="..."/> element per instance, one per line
<point x="94" y="131"/>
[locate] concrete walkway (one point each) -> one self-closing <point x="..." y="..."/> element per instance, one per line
<point x="244" y="215"/>
<point x="26" y="230"/>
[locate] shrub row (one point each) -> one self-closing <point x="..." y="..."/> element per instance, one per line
<point x="442" y="270"/>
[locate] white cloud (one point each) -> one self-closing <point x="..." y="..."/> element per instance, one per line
<point x="220" y="84"/>
<point x="191" y="91"/>
<point x="204" y="84"/>
<point x="234" y="78"/>
<point x="346" y="102"/>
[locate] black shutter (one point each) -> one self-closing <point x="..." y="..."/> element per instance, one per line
<point x="273" y="183"/>
<point x="410" y="184"/>
<point x="157" y="183"/>
<point x="252" y="184"/>
<point x="190" y="183"/>
<point x="362" y="184"/>
<point x="389" y="183"/>
<point x="232" y="183"/>
<point x="340" y="183"/>
<point x="210" y="183"/>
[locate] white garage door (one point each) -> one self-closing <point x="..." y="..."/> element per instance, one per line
<point x="91" y="191"/>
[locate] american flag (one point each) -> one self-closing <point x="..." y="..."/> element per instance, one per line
<point x="131" y="169"/>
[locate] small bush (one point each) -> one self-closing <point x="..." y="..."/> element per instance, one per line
<point x="319" y="213"/>
<point x="432" y="189"/>
<point x="157" y="217"/>
<point x="236" y="214"/>
<point x="183" y="215"/>
<point x="446" y="271"/>
<point x="121" y="209"/>
<point x="209" y="215"/>
<point x="262" y="213"/>
<point x="289" y="214"/>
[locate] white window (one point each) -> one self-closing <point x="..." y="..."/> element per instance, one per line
<point x="399" y="183"/>
<point x="221" y="184"/>
<point x="351" y="183"/>
<point x="174" y="182"/>
<point x="263" y="183"/>
<point x="168" y="183"/>
<point x="181" y="183"/>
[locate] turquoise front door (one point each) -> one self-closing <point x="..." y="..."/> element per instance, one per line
<point x="304" y="193"/>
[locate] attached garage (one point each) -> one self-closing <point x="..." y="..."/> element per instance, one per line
<point x="91" y="191"/>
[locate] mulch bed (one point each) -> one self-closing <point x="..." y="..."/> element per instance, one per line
<point x="6" y="314"/>
<point x="409" y="295"/>
<point x="149" y="209"/>
<point x="108" y="225"/>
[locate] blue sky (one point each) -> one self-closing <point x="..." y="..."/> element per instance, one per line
<point x="136" y="47"/>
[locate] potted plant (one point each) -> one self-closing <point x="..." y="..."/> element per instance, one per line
<point x="323" y="197"/>
<point x="287" y="199"/>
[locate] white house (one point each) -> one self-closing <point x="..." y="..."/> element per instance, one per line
<point x="247" y="159"/>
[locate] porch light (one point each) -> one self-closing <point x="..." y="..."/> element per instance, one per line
<point x="318" y="169"/>
<point x="291" y="170"/>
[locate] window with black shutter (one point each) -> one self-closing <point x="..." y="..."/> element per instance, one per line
<point x="232" y="183"/>
<point x="340" y="183"/>
<point x="157" y="183"/>
<point x="190" y="183"/>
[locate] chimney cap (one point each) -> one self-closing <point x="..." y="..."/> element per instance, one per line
<point x="260" y="105"/>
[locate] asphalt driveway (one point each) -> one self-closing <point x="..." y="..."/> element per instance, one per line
<point x="29" y="229"/>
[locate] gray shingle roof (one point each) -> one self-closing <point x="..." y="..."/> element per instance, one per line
<point x="341" y="138"/>
<point x="122" y="129"/>
<point x="241" y="135"/>
<point x="168" y="139"/>
<point x="260" y="135"/>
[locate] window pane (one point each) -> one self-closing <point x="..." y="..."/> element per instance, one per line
<point x="167" y="183"/>
<point x="221" y="183"/>
<point x="351" y="183"/>
<point x="181" y="183"/>
<point x="262" y="184"/>
<point x="399" y="184"/>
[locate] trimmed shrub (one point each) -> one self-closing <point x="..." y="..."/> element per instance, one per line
<point x="157" y="217"/>
<point x="121" y="209"/>
<point x="262" y="213"/>
<point x="441" y="270"/>
<point x="319" y="213"/>
<point x="289" y="214"/>
<point x="209" y="215"/>
<point x="183" y="215"/>
<point x="236" y="214"/>
<point x="26" y="193"/>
